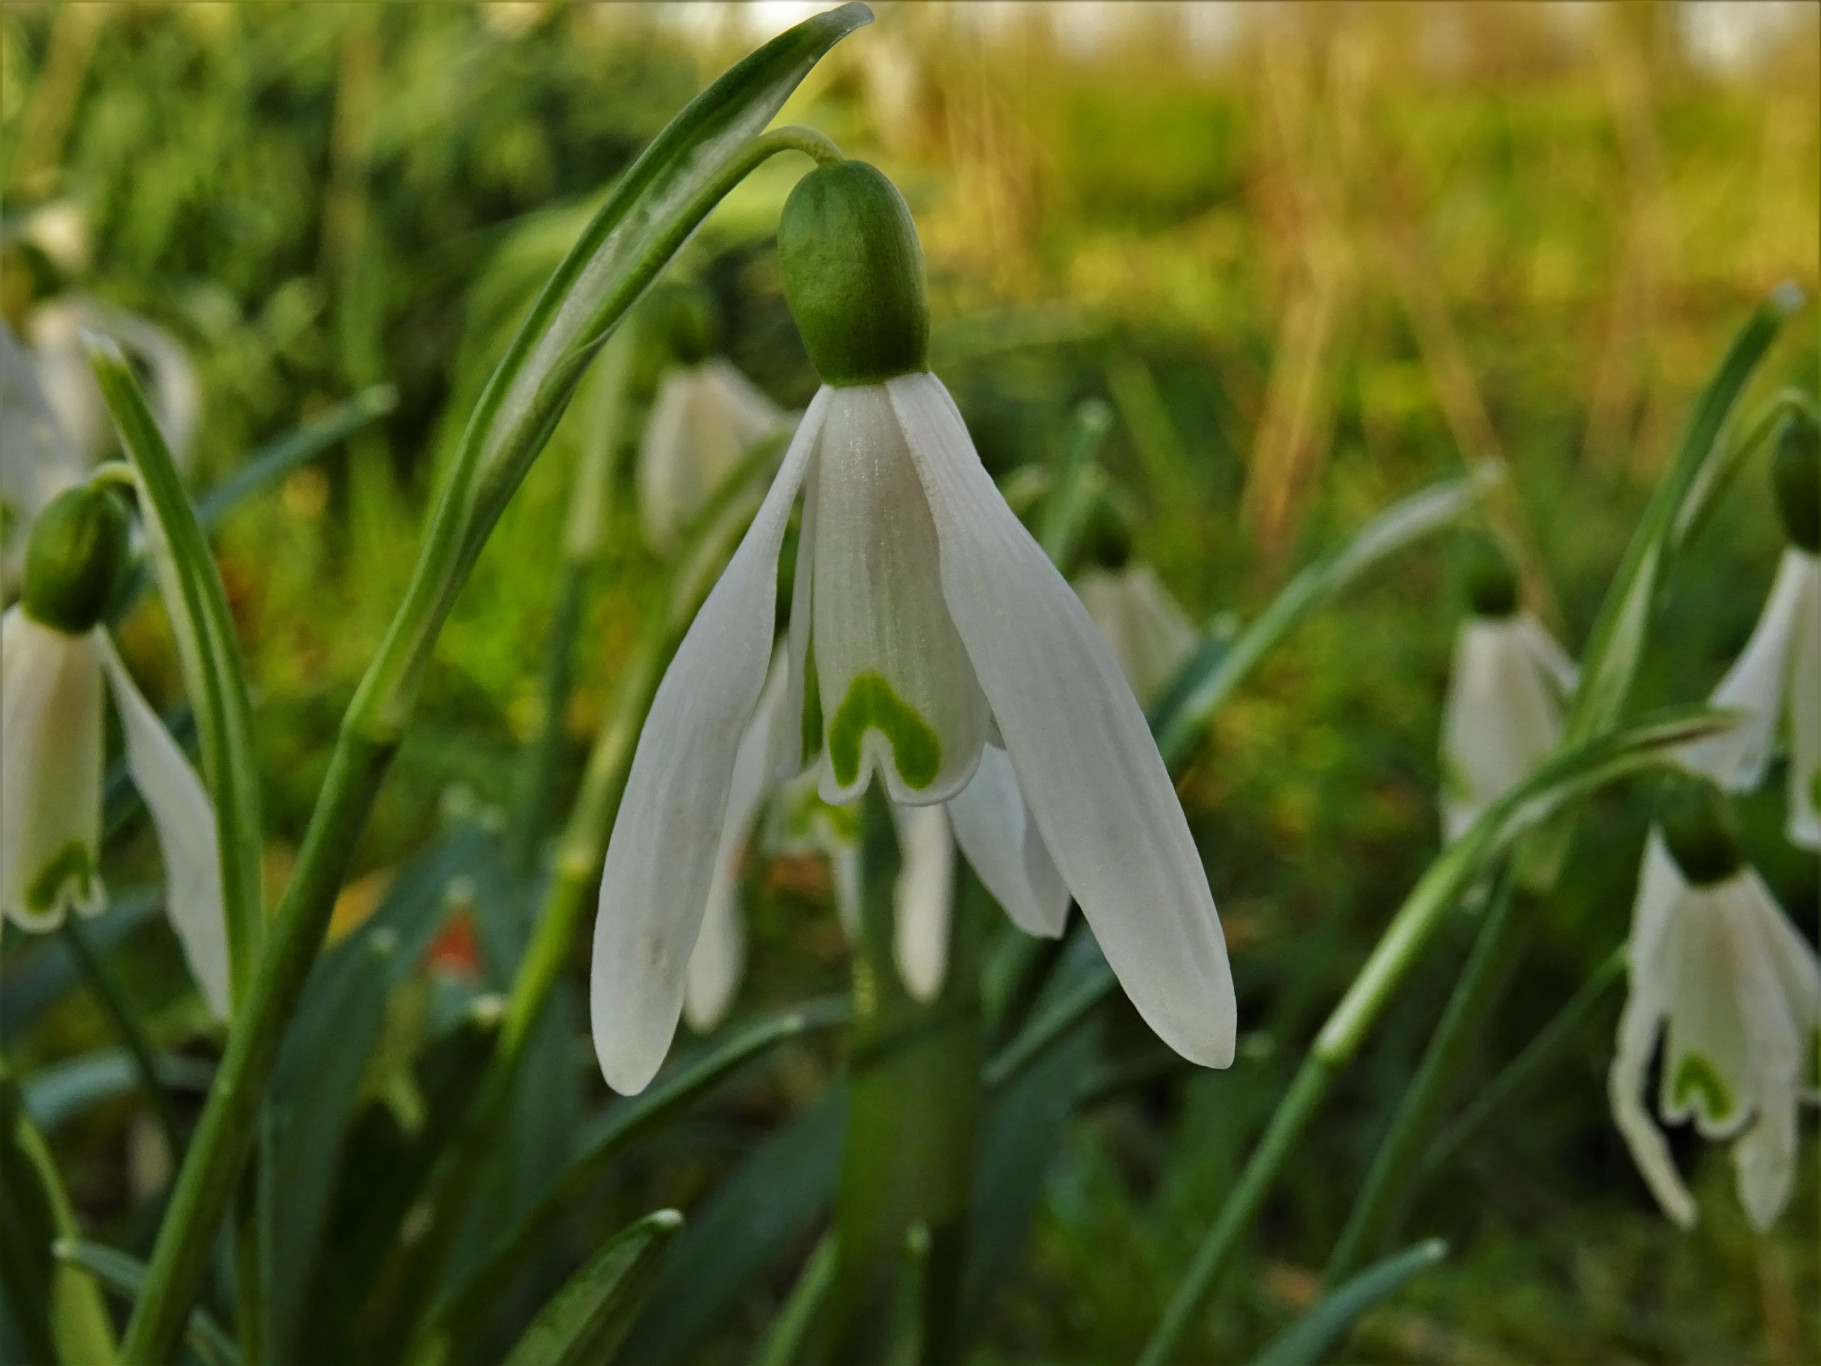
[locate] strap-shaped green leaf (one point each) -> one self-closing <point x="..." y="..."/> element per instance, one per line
<point x="1211" y="674"/>
<point x="586" y="1319"/>
<point x="702" y="154"/>
<point x="56" y="1309"/>
<point x="1318" y="1332"/>
<point x="213" y="670"/>
<point x="124" y="1275"/>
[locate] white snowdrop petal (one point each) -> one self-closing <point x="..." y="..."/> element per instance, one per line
<point x="187" y="837"/>
<point x="665" y="464"/>
<point x="704" y="418"/>
<point x="923" y="898"/>
<point x="1804" y="708"/>
<point x="1548" y="654"/>
<point x="37" y="459"/>
<point x="994" y="828"/>
<point x="896" y="686"/>
<point x="50" y="772"/>
<point x="719" y="956"/>
<point x="661" y="858"/>
<point x="1084" y="757"/>
<point x="1736" y="757"/>
<point x="1501" y="716"/>
<point x="1149" y="634"/>
<point x="1707" y="1071"/>
<point x="803" y="721"/>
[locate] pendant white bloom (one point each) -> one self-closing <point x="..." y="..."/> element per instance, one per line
<point x="704" y="419"/>
<point x="1151" y="636"/>
<point x="923" y="615"/>
<point x="1721" y="971"/>
<point x="1778" y="674"/>
<point x="1503" y="711"/>
<point x="55" y="331"/>
<point x="37" y="458"/>
<point x="50" y="793"/>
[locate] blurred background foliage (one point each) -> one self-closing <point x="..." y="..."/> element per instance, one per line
<point x="1313" y="256"/>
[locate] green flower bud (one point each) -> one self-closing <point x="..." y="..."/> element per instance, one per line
<point x="853" y="275"/>
<point x="74" y="559"/>
<point x="684" y="316"/>
<point x="1699" y="827"/>
<point x="1795" y="473"/>
<point x="1488" y="577"/>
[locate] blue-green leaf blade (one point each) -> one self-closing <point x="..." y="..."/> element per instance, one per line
<point x="1318" y="1332"/>
<point x="584" y="1321"/>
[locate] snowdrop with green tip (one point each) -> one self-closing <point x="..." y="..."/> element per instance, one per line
<point x="1719" y="970"/>
<point x="1778" y="674"/>
<point x="54" y="654"/>
<point x="1506" y="692"/>
<point x="933" y="646"/>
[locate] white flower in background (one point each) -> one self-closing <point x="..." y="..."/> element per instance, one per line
<point x="705" y="418"/>
<point x="1718" y="968"/>
<point x="1151" y="636"/>
<point x="54" y="655"/>
<point x="932" y="644"/>
<point x="1779" y="672"/>
<point x="55" y="330"/>
<point x="989" y="819"/>
<point x="1506" y="692"/>
<point x="38" y="461"/>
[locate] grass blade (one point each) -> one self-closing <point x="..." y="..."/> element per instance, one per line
<point x="586" y="1319"/>
<point x="1312" y="1337"/>
<point x="124" y="1275"/>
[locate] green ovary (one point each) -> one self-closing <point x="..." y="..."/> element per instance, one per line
<point x="72" y="863"/>
<point x="1698" y="1074"/>
<point x="871" y="704"/>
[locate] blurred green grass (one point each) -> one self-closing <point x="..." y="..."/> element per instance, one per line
<point x="1309" y="273"/>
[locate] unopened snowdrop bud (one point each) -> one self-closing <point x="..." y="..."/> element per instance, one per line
<point x="853" y="275"/>
<point x="1488" y="578"/>
<point x="1796" y="476"/>
<point x="1699" y="829"/>
<point x="74" y="559"/>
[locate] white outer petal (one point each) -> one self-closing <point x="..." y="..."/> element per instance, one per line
<point x="1149" y="634"/>
<point x="1659" y="888"/>
<point x="666" y="836"/>
<point x="1804" y="707"/>
<point x="1084" y="757"/>
<point x="1765" y="1155"/>
<point x="1503" y="713"/>
<point x="1548" y="653"/>
<point x="187" y="837"/>
<point x="994" y="828"/>
<point x="720" y="952"/>
<point x="702" y="421"/>
<point x="923" y="898"/>
<point x="1736" y="758"/>
<point x="1702" y="956"/>
<point x="50" y="764"/>
<point x="37" y="459"/>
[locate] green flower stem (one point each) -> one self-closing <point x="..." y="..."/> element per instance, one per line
<point x="207" y="1180"/>
<point x="1379" y="1208"/>
<point x="1536" y="1059"/>
<point x="125" y="1021"/>
<point x="913" y="1101"/>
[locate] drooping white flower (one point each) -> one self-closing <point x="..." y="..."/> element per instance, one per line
<point x="1778" y="674"/>
<point x="37" y="458"/>
<point x="926" y="626"/>
<point x="54" y="655"/>
<point x="1151" y="636"/>
<point x="704" y="419"/>
<point x="55" y="332"/>
<point x="1719" y="971"/>
<point x="1503" y="711"/>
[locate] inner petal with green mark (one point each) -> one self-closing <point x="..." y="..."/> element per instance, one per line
<point x="1707" y="1071"/>
<point x="67" y="879"/>
<point x="896" y="692"/>
<point x="1697" y="1087"/>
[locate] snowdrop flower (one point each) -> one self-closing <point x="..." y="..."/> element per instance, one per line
<point x="55" y="332"/>
<point x="54" y="655"/>
<point x="1779" y="672"/>
<point x="932" y="647"/>
<point x="1151" y="636"/>
<point x="1506" y="691"/>
<point x="705" y="418"/>
<point x="1716" y="966"/>
<point x="37" y="459"/>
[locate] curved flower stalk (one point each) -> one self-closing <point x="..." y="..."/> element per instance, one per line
<point x="54" y="655"/>
<point x="1150" y="635"/>
<point x="706" y="416"/>
<point x="1718" y="968"/>
<point x="55" y="332"/>
<point x="1507" y="690"/>
<point x="989" y="820"/>
<point x="926" y="627"/>
<point x="1779" y="672"/>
